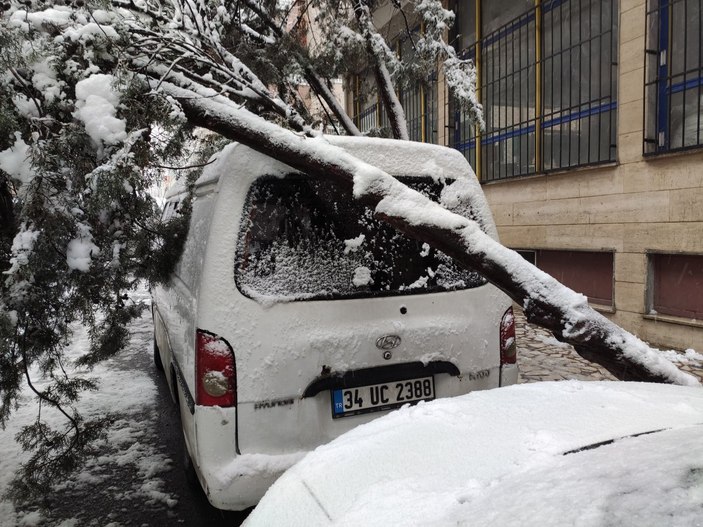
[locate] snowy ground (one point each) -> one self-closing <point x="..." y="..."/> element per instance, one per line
<point x="131" y="453"/>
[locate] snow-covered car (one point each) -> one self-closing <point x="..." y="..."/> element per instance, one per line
<point x="544" y="454"/>
<point x="294" y="315"/>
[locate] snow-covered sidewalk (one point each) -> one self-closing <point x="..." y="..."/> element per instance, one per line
<point x="131" y="452"/>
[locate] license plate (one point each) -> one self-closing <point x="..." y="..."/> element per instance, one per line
<point x="377" y="397"/>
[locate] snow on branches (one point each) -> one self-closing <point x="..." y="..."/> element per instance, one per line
<point x="460" y="74"/>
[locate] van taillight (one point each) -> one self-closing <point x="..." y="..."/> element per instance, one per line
<point x="215" y="372"/>
<point x="508" y="345"/>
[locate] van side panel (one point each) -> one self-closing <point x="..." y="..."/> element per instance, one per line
<point x="177" y="304"/>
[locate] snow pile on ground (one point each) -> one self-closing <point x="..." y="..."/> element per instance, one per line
<point x="690" y="356"/>
<point x="130" y="446"/>
<point x="550" y="341"/>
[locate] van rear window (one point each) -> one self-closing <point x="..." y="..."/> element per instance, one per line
<point x="304" y="238"/>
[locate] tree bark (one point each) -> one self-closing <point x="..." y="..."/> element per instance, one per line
<point x="7" y="217"/>
<point x="572" y="320"/>
<point x="319" y="86"/>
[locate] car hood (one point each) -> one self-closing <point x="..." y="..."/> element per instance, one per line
<point x="475" y="457"/>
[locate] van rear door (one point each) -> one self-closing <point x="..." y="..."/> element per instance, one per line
<point x="335" y="297"/>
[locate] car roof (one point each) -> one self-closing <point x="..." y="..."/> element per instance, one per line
<point x="432" y="463"/>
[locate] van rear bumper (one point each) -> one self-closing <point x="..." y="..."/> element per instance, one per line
<point x="242" y="482"/>
<point x="509" y="374"/>
<point x="231" y="480"/>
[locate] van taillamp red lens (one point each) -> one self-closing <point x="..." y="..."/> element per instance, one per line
<point x="215" y="372"/>
<point x="508" y="344"/>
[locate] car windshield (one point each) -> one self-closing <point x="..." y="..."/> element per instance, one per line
<point x="304" y="238"/>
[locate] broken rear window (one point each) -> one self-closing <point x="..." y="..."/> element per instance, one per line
<point x="305" y="238"/>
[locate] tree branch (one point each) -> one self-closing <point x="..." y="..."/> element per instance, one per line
<point x="316" y="82"/>
<point x="545" y="300"/>
<point x="394" y="110"/>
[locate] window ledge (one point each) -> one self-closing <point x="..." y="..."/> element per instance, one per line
<point x="691" y="322"/>
<point x="666" y="154"/>
<point x="555" y="172"/>
<point x="602" y="308"/>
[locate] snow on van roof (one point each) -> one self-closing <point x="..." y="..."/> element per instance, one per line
<point x="236" y="156"/>
<point x="390" y="155"/>
<point x="399" y="157"/>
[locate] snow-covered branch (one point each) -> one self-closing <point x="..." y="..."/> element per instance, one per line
<point x="318" y="84"/>
<point x="380" y="55"/>
<point x="545" y="300"/>
<point x="200" y="54"/>
<point x="460" y="74"/>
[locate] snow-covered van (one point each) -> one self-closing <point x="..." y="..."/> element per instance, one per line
<point x="294" y="315"/>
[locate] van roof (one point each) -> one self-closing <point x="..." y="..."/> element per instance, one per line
<point x="399" y="157"/>
<point x="391" y="155"/>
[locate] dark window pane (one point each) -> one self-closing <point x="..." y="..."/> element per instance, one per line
<point x="674" y="75"/>
<point x="497" y="13"/>
<point x="589" y="273"/>
<point x="464" y="32"/>
<point x="678" y="285"/>
<point x="304" y="238"/>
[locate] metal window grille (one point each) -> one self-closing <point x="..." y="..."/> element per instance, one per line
<point x="412" y="102"/>
<point x="674" y="76"/>
<point x="548" y="87"/>
<point x="420" y="105"/>
<point x="419" y="100"/>
<point x="368" y="118"/>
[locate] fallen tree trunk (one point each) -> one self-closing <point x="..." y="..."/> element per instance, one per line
<point x="546" y="302"/>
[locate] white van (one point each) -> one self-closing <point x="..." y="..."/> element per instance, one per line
<point x="293" y="315"/>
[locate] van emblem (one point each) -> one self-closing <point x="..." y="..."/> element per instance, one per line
<point x="388" y="342"/>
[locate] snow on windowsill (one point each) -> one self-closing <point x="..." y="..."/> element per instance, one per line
<point x="603" y="308"/>
<point x="682" y="321"/>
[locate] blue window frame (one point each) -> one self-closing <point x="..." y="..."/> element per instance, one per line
<point x="674" y="76"/>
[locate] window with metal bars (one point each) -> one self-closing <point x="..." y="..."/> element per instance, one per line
<point x="364" y="106"/>
<point x="419" y="102"/>
<point x="420" y="99"/>
<point x="547" y="84"/>
<point x="368" y="118"/>
<point x="674" y="75"/>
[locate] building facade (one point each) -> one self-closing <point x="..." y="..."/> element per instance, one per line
<point x="592" y="155"/>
